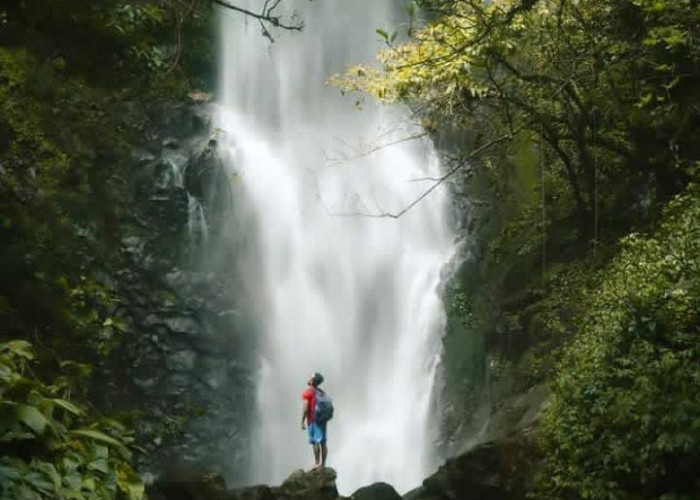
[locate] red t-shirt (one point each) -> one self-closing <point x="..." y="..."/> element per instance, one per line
<point x="310" y="396"/>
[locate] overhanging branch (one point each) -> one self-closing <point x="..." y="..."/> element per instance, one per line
<point x="267" y="15"/>
<point x="439" y="180"/>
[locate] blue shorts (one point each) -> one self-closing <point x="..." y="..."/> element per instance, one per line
<point x="316" y="433"/>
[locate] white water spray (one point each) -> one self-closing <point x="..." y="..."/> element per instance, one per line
<point x="351" y="296"/>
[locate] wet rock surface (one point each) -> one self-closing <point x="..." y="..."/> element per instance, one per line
<point x="189" y="485"/>
<point x="503" y="469"/>
<point x="317" y="484"/>
<point x="376" y="491"/>
<point x="181" y="362"/>
<point x="499" y="470"/>
<point x="260" y="492"/>
<point x="196" y="485"/>
<point x="503" y="464"/>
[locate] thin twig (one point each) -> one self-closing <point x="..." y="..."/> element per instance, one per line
<point x="438" y="182"/>
<point x="368" y="152"/>
<point x="264" y="17"/>
<point x="180" y="21"/>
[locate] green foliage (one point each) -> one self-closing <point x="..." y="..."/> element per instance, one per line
<point x="71" y="73"/>
<point x="75" y="78"/>
<point x="624" y="422"/>
<point x="584" y="113"/>
<point x="607" y="86"/>
<point x="549" y="322"/>
<point x="23" y="117"/>
<point x="51" y="447"/>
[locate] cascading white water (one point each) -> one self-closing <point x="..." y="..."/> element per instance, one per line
<point x="197" y="226"/>
<point x="351" y="296"/>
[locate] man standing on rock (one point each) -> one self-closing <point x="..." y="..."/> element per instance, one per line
<point x="317" y="410"/>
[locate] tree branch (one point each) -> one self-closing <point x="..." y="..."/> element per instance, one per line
<point x="372" y="150"/>
<point x="438" y="181"/>
<point x="266" y="16"/>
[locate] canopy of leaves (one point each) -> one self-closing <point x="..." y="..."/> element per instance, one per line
<point x="609" y="86"/>
<point x="586" y="119"/>
<point x="70" y="72"/>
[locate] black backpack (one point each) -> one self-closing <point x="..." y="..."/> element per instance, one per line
<point x="324" y="407"/>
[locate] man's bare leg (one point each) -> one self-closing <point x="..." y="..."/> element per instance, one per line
<point x="317" y="455"/>
<point x="324" y="454"/>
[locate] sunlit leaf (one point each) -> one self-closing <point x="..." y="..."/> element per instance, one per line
<point x="100" y="437"/>
<point x="130" y="483"/>
<point x="68" y="406"/>
<point x="20" y="348"/>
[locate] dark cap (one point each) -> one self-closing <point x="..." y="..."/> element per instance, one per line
<point x="317" y="379"/>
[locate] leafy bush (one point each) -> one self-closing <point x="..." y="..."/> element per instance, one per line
<point x="625" y="419"/>
<point x="49" y="446"/>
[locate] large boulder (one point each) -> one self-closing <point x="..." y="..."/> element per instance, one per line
<point x="498" y="470"/>
<point x="188" y="485"/>
<point x="317" y="484"/>
<point x="260" y="492"/>
<point x="376" y="491"/>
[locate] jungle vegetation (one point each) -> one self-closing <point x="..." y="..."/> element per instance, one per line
<point x="575" y="126"/>
<point x="571" y="132"/>
<point x="74" y="76"/>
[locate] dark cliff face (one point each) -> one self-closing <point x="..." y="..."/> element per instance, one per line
<point x="182" y="363"/>
<point x="104" y="158"/>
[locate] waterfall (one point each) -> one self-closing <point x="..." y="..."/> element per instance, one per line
<point x="331" y="289"/>
<point x="197" y="226"/>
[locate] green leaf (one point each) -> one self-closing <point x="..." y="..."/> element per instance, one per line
<point x="20" y="348"/>
<point x="50" y="471"/>
<point x="100" y="452"/>
<point x="69" y="407"/>
<point x="16" y="435"/>
<point x="9" y="472"/>
<point x="70" y="464"/>
<point x="73" y="483"/>
<point x="25" y="493"/>
<point x="39" y="482"/>
<point x="89" y="484"/>
<point x="99" y="465"/>
<point x="32" y="418"/>
<point x="5" y="371"/>
<point x="130" y="483"/>
<point x="76" y="370"/>
<point x="101" y="437"/>
<point x="383" y="34"/>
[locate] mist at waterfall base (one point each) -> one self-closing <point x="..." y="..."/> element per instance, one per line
<point x="330" y="289"/>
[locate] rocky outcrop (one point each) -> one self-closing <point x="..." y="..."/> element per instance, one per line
<point x="503" y="462"/>
<point x="260" y="492"/>
<point x="376" y="491"/>
<point x="190" y="485"/>
<point x="503" y="469"/>
<point x="520" y="412"/>
<point x="312" y="485"/>
<point x="317" y="484"/>
<point x="499" y="470"/>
